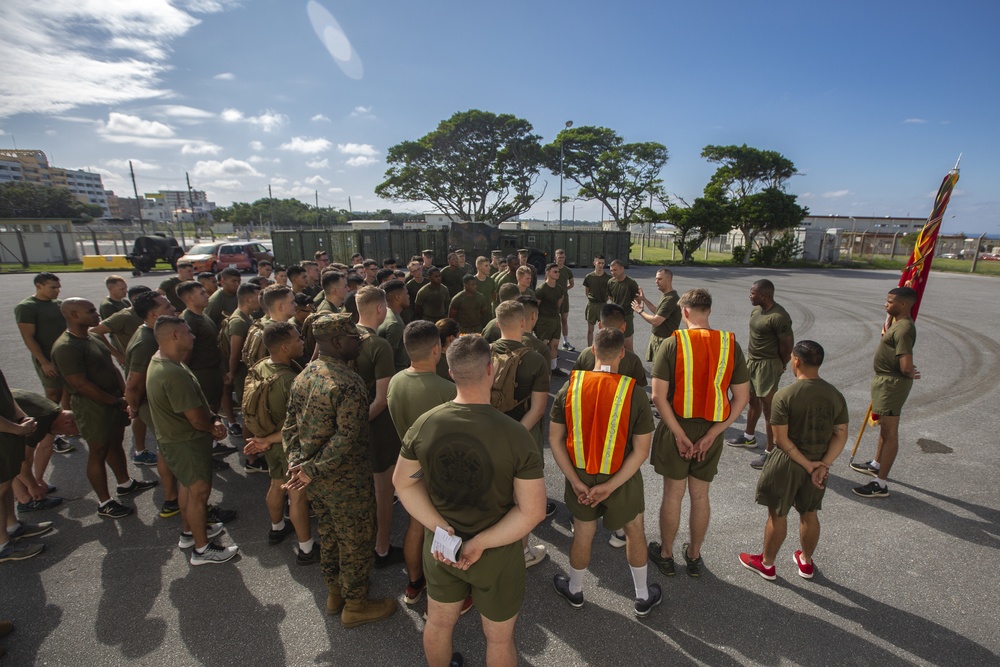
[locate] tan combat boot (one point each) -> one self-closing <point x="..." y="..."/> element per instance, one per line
<point x="334" y="600"/>
<point x="359" y="612"/>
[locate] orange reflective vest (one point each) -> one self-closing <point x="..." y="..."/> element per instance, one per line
<point x="702" y="372"/>
<point x="598" y="407"/>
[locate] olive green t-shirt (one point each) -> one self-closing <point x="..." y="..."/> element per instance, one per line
<point x="47" y="318"/>
<point x="670" y="312"/>
<point x="376" y="363"/>
<point x="470" y="455"/>
<point x="897" y="341"/>
<point x="89" y="356"/>
<point x="391" y="330"/>
<point x="666" y="359"/>
<point x="532" y="375"/>
<point x="765" y="330"/>
<point x="238" y="324"/>
<point x="206" y="352"/>
<point x="140" y="350"/>
<point x="531" y="340"/>
<point x="810" y="409"/>
<point x="451" y="277"/>
<point x="640" y="416"/>
<point x="412" y="287"/>
<point x="123" y="326"/>
<point x="565" y="275"/>
<point x="488" y="288"/>
<point x="411" y="394"/>
<point x="442" y="368"/>
<point x="472" y="311"/>
<point x="324" y="305"/>
<point x="169" y="288"/>
<point x="36" y="406"/>
<point x="434" y="301"/>
<point x="109" y="307"/>
<point x="491" y="332"/>
<point x="280" y="389"/>
<point x="623" y="293"/>
<point x="221" y="305"/>
<point x="597" y="286"/>
<point x="630" y="365"/>
<point x="548" y="301"/>
<point x="171" y="390"/>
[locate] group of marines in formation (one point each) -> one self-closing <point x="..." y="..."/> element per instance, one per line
<point x="358" y="384"/>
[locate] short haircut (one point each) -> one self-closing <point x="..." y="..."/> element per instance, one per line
<point x="355" y="279"/>
<point x="529" y="302"/>
<point x="452" y="255"/>
<point x="599" y="257"/>
<point x="764" y="285"/>
<point x="612" y="315"/>
<point x="468" y="278"/>
<point x="389" y="260"/>
<point x="392" y="286"/>
<point x="618" y="262"/>
<point x="318" y="254"/>
<point x="246" y="290"/>
<point x="145" y="303"/>
<point x="667" y="272"/>
<point x="512" y="259"/>
<point x="560" y="251"/>
<point x="524" y="270"/>
<point x="278" y="268"/>
<point x="304" y="301"/>
<point x="696" y="299"/>
<point x="419" y="338"/>
<point x="164" y="325"/>
<point x="307" y="263"/>
<point x="205" y="275"/>
<point x="608" y="343"/>
<point x="275" y="293"/>
<point x="446" y="327"/>
<point x="184" y="265"/>
<point x="905" y="293"/>
<point x="482" y="258"/>
<point x="295" y="270"/>
<point x="331" y="278"/>
<point x="260" y="281"/>
<point x="508" y="291"/>
<point x="187" y="287"/>
<point x="399" y="273"/>
<point x="550" y="266"/>
<point x="431" y="271"/>
<point x="264" y="262"/>
<point x="384" y="274"/>
<point x="508" y="313"/>
<point x="136" y="290"/>
<point x="468" y="358"/>
<point x="45" y="277"/>
<point x="369" y="296"/>
<point x="278" y="333"/>
<point x="113" y="280"/>
<point x="369" y="262"/>
<point x="230" y="272"/>
<point x="809" y="353"/>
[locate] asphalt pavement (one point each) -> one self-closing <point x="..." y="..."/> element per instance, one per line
<point x="900" y="581"/>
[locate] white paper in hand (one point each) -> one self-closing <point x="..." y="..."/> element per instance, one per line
<point x="447" y="545"/>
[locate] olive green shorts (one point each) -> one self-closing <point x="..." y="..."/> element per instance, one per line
<point x="629" y="322"/>
<point x="98" y="423"/>
<point x="146" y="415"/>
<point x="11" y="456"/>
<point x="784" y="484"/>
<point x="189" y="461"/>
<point x="548" y="329"/>
<point x="277" y="461"/>
<point x="239" y="384"/>
<point x="889" y="393"/>
<point x="624" y="504"/>
<point x="383" y="442"/>
<point x="564" y="308"/>
<point x="210" y="380"/>
<point x="667" y="460"/>
<point x="593" y="312"/>
<point x="654" y="345"/>
<point x="765" y="375"/>
<point x="495" y="581"/>
<point x="47" y="382"/>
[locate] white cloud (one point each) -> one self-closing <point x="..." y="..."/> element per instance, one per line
<point x="357" y="149"/>
<point x="256" y="146"/>
<point x="317" y="180"/>
<point x="228" y="167"/>
<point x="316" y="163"/>
<point x="836" y="194"/>
<point x="257" y="159"/>
<point x="137" y="165"/>
<point x="199" y="147"/>
<point x="915" y="121"/>
<point x="122" y="128"/>
<point x="224" y="76"/>
<point x="334" y="190"/>
<point x="319" y="117"/>
<point x="306" y="145"/>
<point x="362" y="112"/>
<point x="225" y="184"/>
<point x="50" y="133"/>
<point x="267" y="121"/>
<point x="279" y="181"/>
<point x="361" y="161"/>
<point x="181" y="112"/>
<point x="120" y="123"/>
<point x="61" y="54"/>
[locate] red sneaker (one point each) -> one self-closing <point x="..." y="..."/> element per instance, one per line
<point x="806" y="570"/>
<point x="755" y="562"/>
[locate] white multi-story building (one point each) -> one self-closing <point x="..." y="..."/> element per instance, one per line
<point x="31" y="166"/>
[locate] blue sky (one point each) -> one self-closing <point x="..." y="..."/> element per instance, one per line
<point x="873" y="101"/>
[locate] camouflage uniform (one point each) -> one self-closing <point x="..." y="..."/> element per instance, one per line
<point x="326" y="432"/>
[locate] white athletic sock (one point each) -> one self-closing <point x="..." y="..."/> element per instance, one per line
<point x="875" y="464"/>
<point x="639" y="579"/>
<point x="749" y="436"/>
<point x="306" y="547"/>
<point x="565" y="340"/>
<point x="128" y="485"/>
<point x="278" y="526"/>
<point x="576" y="580"/>
<point x="552" y="364"/>
<point x="105" y="502"/>
<point x="11" y="529"/>
<point x="880" y="482"/>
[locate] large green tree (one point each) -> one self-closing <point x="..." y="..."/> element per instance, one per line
<point x="476" y="166"/>
<point x="752" y="184"/>
<point x="706" y="217"/>
<point x="26" y="200"/>
<point x="620" y="175"/>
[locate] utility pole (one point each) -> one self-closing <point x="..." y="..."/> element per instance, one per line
<point x="270" y="202"/>
<point x="190" y="196"/>
<point x="317" y="207"/>
<point x="138" y="202"/>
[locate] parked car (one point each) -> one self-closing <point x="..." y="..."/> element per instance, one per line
<point x="951" y="255"/>
<point x="214" y="257"/>
<point x="990" y="258"/>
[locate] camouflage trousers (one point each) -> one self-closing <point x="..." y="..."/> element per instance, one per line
<point x="346" y="532"/>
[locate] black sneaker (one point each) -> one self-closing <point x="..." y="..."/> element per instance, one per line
<point x="278" y="536"/>
<point x="62" y="446"/>
<point x="310" y="558"/>
<point x="664" y="565"/>
<point x="258" y="466"/>
<point x="30" y="530"/>
<point x="222" y="449"/>
<point x="114" y="510"/>
<point x="219" y="465"/>
<point x="872" y="490"/>
<point x="561" y="584"/>
<point x="456" y="660"/>
<point x="138" y="486"/>
<point x="568" y="347"/>
<point x="20" y="551"/>
<point x="559" y="373"/>
<point x="865" y="468"/>
<point x="170" y="508"/>
<point x="218" y="515"/>
<point x="236" y="430"/>
<point x="643" y="607"/>
<point x="393" y="556"/>
<point x="550" y="508"/>
<point x="38" y="505"/>
<point x="693" y="564"/>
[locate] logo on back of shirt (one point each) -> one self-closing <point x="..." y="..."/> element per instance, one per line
<point x="462" y="469"/>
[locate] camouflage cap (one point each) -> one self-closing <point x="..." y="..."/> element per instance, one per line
<point x="334" y="325"/>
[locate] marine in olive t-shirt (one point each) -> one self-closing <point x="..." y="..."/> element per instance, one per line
<point x="451" y="277"/>
<point x="623" y="293"/>
<point x="391" y="330"/>
<point x="630" y="365"/>
<point x="597" y="287"/>
<point x="171" y="390"/>
<point x="36" y="406"/>
<point x="765" y="331"/>
<point x="89" y="357"/>
<point x="109" y="307"/>
<point x="376" y="363"/>
<point x="169" y="289"/>
<point x="434" y="300"/>
<point x="411" y="394"/>
<point x="221" y="305"/>
<point x="810" y="409"/>
<point x="47" y="319"/>
<point x="473" y="311"/>
<point x="122" y="326"/>
<point x="205" y="354"/>
<point x="140" y="350"/>
<point x="669" y="310"/>
<point x="532" y="375"/>
<point x="897" y="341"/>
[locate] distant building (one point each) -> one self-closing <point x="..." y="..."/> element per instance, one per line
<point x="176" y="206"/>
<point x="124" y="208"/>
<point x="30" y="166"/>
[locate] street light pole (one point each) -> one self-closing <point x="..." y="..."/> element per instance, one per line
<point x="562" y="156"/>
